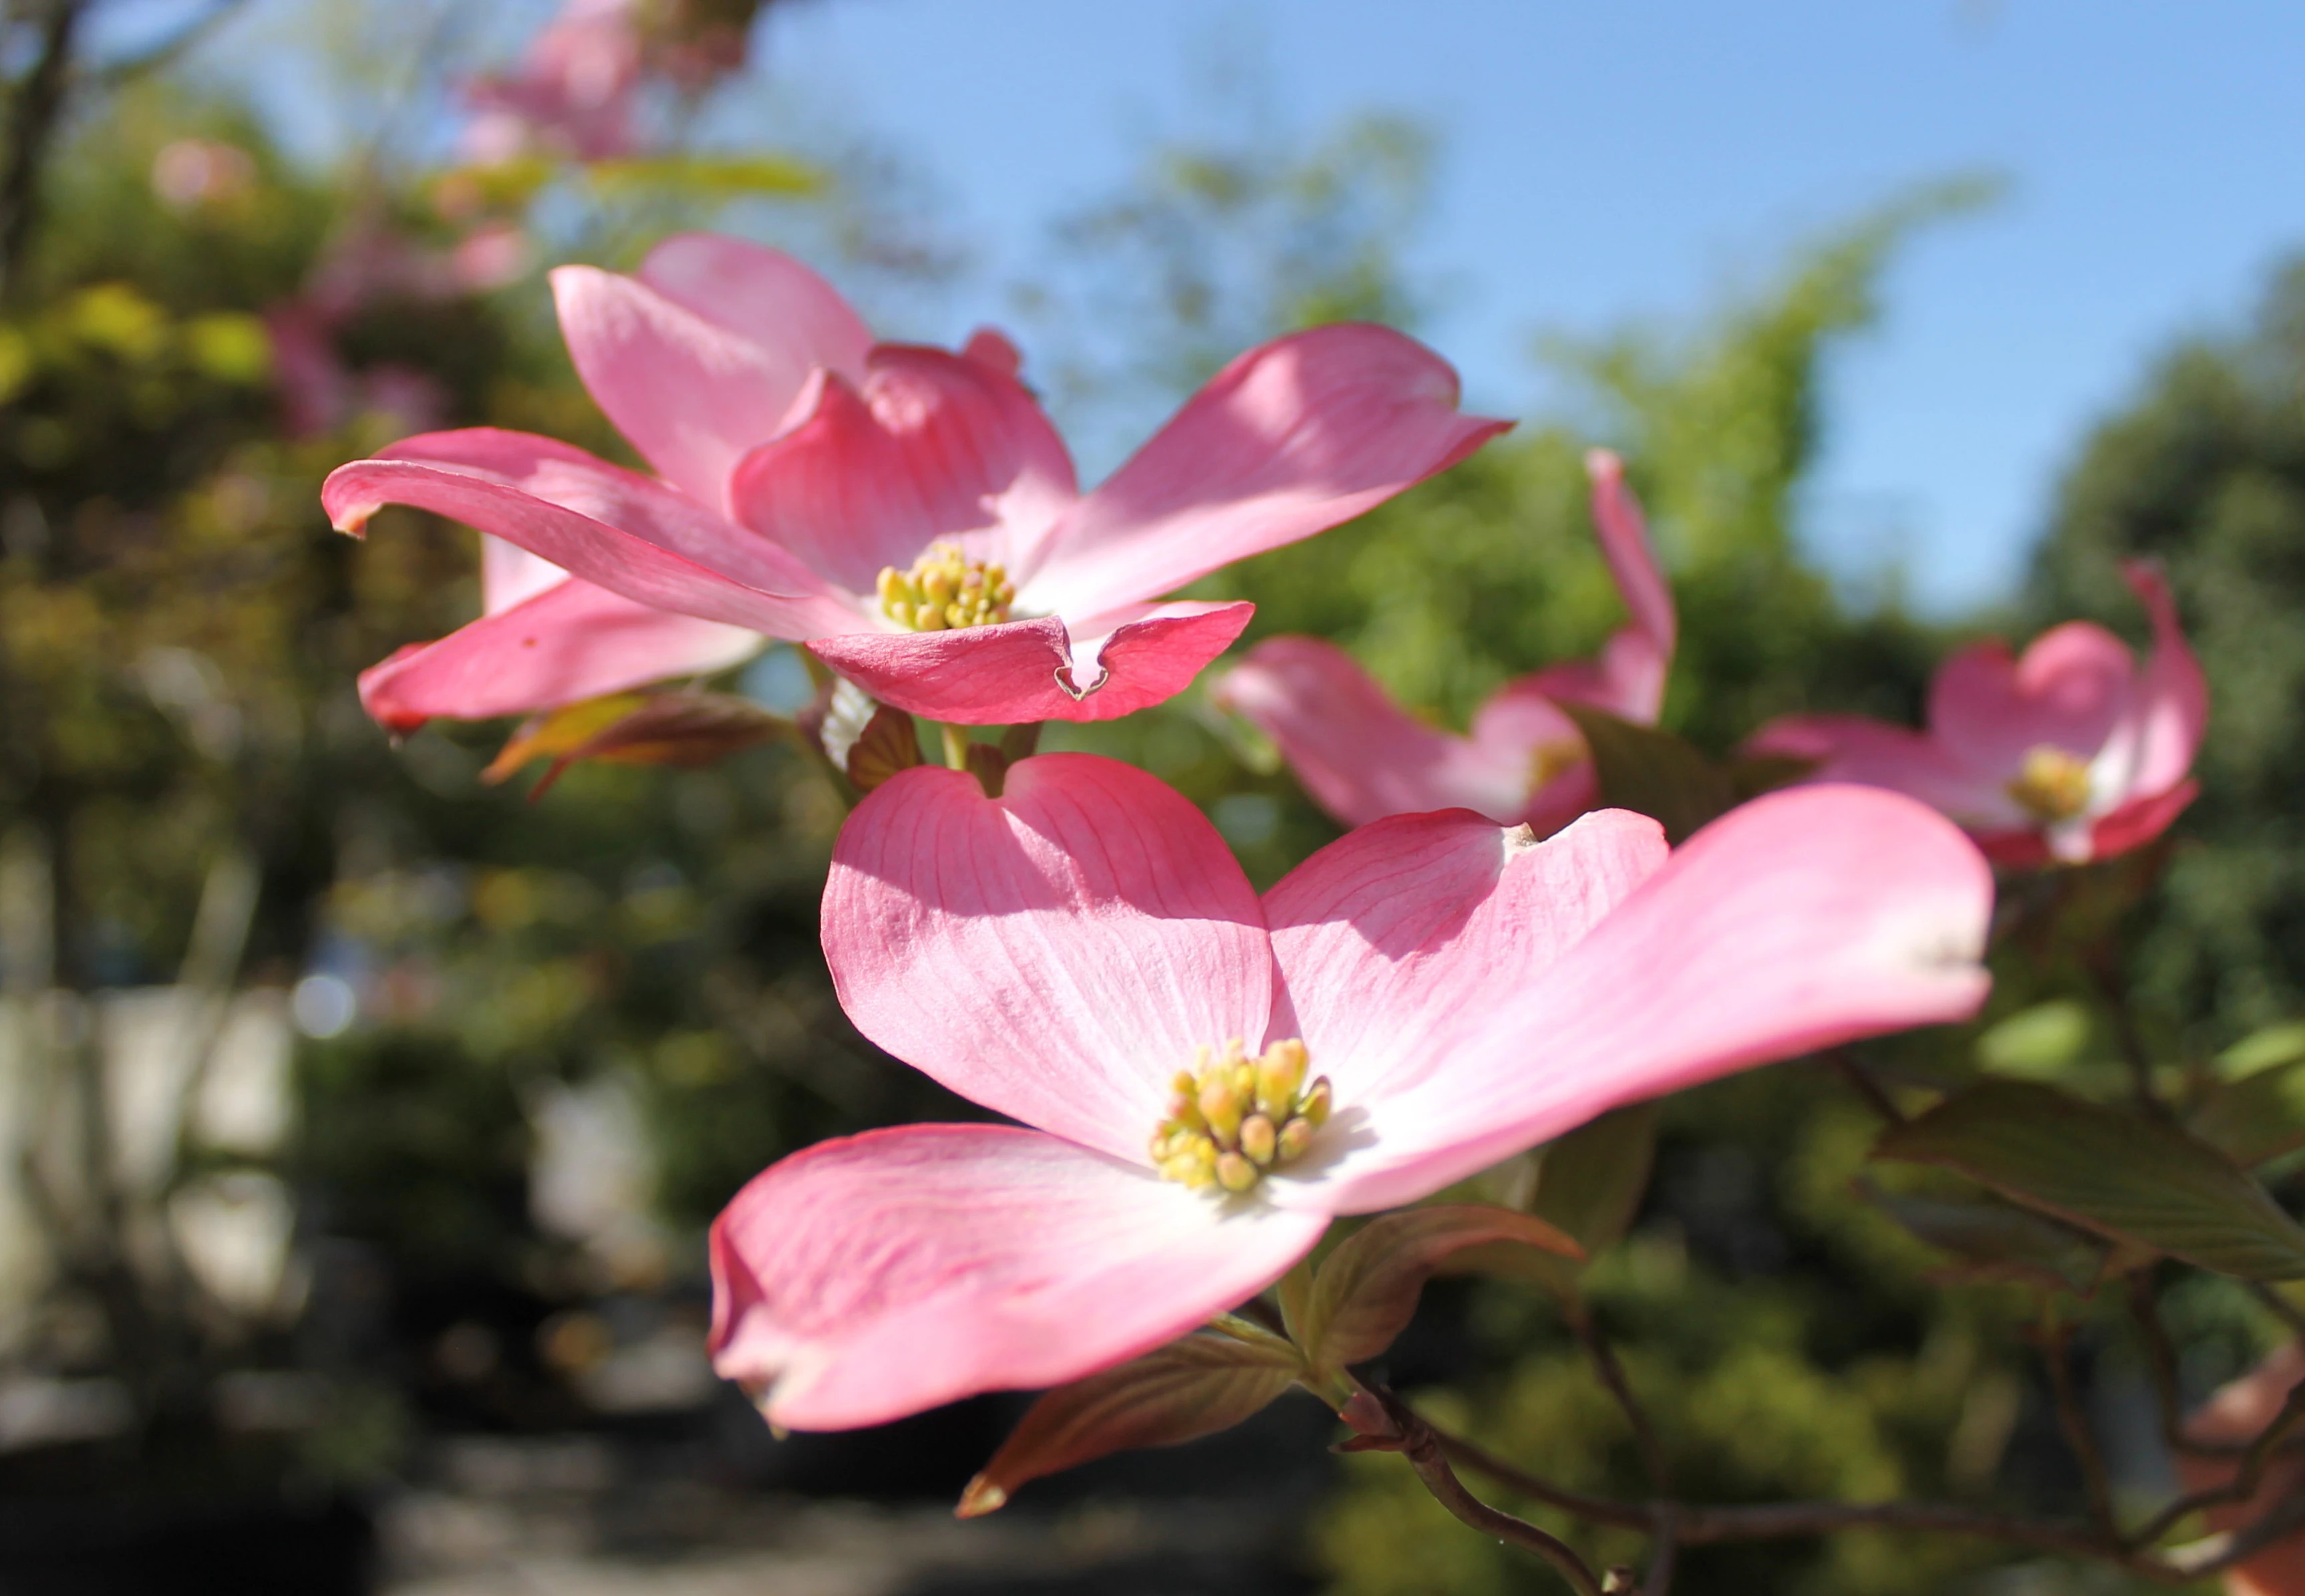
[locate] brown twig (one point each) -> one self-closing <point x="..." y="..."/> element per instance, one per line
<point x="2160" y="1360"/>
<point x="1851" y="1069"/>
<point x="1611" y="1372"/>
<point x="34" y="111"/>
<point x="2240" y="1488"/>
<point x="1697" y="1526"/>
<point x="2056" y="1342"/>
<point x="1385" y="1423"/>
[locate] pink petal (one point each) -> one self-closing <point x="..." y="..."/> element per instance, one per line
<point x="1056" y="953"/>
<point x="1803" y="919"/>
<point x="2068" y="690"/>
<point x="796" y="318"/>
<point x="510" y="574"/>
<point x="1388" y="938"/>
<point x="1293" y="437"/>
<point x="1630" y="681"/>
<point x="1360" y="755"/>
<point x="1032" y="670"/>
<point x="1854" y="747"/>
<point x="570" y="642"/>
<point x="935" y="446"/>
<point x="692" y="395"/>
<point x="1522" y="728"/>
<point x="612" y="527"/>
<point x="2140" y="821"/>
<point x="872" y="1277"/>
<point x="2170" y="708"/>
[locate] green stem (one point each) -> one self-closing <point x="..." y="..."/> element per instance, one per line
<point x="956" y="745"/>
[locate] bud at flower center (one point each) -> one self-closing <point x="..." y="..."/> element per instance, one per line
<point x="946" y="589"/>
<point x="2052" y="786"/>
<point x="1231" y="1116"/>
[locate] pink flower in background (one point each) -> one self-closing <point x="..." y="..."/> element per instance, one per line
<point x="571" y="93"/>
<point x="367" y="265"/>
<point x="1205" y="1079"/>
<point x="2070" y="752"/>
<point x="2235" y="1416"/>
<point x="1362" y="757"/>
<point x="906" y="511"/>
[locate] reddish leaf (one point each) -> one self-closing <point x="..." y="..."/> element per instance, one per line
<point x="888" y="744"/>
<point x="1365" y="1292"/>
<point x="1208" y="1382"/>
<point x="635" y="728"/>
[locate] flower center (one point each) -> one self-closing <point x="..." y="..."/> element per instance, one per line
<point x="946" y="589"/>
<point x="1231" y="1117"/>
<point x="1551" y="760"/>
<point x="2052" y="786"/>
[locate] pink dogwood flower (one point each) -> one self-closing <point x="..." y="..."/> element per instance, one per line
<point x="908" y="513"/>
<point x="1361" y="756"/>
<point x="571" y="93"/>
<point x="1417" y="1001"/>
<point x="2068" y="751"/>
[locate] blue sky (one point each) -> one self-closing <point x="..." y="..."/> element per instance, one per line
<point x="1641" y="159"/>
<point x="1637" y="159"/>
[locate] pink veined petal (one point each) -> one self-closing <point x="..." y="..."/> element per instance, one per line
<point x="1635" y="661"/>
<point x="1875" y="753"/>
<point x="933" y="446"/>
<point x="2069" y="690"/>
<point x="2171" y="706"/>
<point x="1056" y="953"/>
<point x="510" y="574"/>
<point x="570" y="642"/>
<point x="1030" y="670"/>
<point x="1292" y="437"/>
<point x="1389" y="939"/>
<point x="1360" y="755"/>
<point x="1626" y="678"/>
<point x="614" y="528"/>
<point x="872" y="1277"/>
<point x="1803" y="919"/>
<point x="797" y="319"/>
<point x="692" y="395"/>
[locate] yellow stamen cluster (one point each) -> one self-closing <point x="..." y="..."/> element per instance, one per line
<point x="945" y="590"/>
<point x="1231" y="1116"/>
<point x="2052" y="786"/>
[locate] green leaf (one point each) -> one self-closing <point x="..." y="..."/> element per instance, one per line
<point x="1209" y="1380"/>
<point x="2125" y="1176"/>
<point x="1653" y="772"/>
<point x="1996" y="1241"/>
<point x="2036" y="1042"/>
<point x="2262" y="1049"/>
<point x="711" y="174"/>
<point x="2255" y="1118"/>
<point x="1365" y="1292"/>
<point x="1589" y="1187"/>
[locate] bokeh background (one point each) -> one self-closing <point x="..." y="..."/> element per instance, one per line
<point x="360" y="1115"/>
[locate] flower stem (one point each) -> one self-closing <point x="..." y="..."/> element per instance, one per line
<point x="956" y="745"/>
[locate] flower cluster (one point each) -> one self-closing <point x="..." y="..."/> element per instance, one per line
<point x="1200" y="1079"/>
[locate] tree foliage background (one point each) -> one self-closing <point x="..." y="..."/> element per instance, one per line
<point x="180" y="631"/>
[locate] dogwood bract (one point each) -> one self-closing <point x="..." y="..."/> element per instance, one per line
<point x="2068" y="751"/>
<point x="906" y="511"/>
<point x="1363" y="757"/>
<point x="1425" y="998"/>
